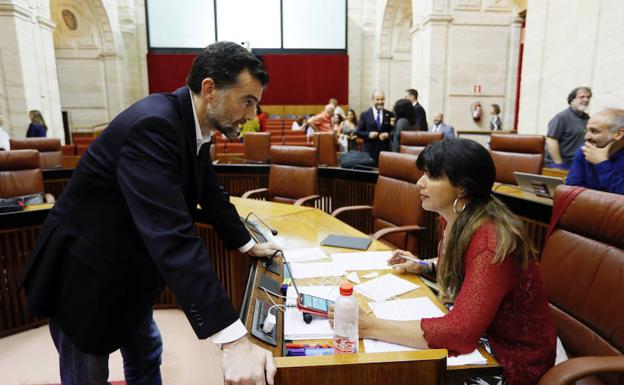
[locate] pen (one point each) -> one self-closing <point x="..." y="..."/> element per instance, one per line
<point x="415" y="260"/>
<point x="306" y="346"/>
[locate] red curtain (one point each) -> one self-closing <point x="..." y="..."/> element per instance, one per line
<point x="293" y="79"/>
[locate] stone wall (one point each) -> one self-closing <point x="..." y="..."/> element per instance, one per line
<point x="570" y="43"/>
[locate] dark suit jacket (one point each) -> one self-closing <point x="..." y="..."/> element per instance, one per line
<point x="123" y="228"/>
<point x="421" y="118"/>
<point x="366" y="125"/>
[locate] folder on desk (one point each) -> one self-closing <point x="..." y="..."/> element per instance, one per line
<point x="347" y="242"/>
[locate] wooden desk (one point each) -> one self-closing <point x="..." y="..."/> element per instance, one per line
<point x="306" y="228"/>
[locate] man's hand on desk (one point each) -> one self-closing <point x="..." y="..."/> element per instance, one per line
<point x="399" y="262"/>
<point x="263" y="249"/>
<point x="243" y="362"/>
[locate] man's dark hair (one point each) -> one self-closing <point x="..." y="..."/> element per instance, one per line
<point x="412" y="92"/>
<point x="496" y="108"/>
<point x="223" y="62"/>
<point x="572" y="94"/>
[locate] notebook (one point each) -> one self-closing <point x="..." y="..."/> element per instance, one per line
<point x="540" y="185"/>
<point x="347" y="242"/>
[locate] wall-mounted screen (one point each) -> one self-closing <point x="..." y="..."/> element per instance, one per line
<point x="180" y="24"/>
<point x="263" y="24"/>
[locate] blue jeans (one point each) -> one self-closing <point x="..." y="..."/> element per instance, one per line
<point x="141" y="357"/>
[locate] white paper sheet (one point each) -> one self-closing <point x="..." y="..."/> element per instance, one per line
<point x="408" y="309"/>
<point x="374" y="346"/>
<point x="304" y="255"/>
<point x="368" y="260"/>
<point x="384" y="287"/>
<point x="353" y="277"/>
<point x="294" y="326"/>
<point x="313" y="270"/>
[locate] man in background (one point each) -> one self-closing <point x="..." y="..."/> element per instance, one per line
<point x="599" y="164"/>
<point x="566" y="130"/>
<point x="421" y="116"/>
<point x="337" y="109"/>
<point x="439" y="126"/>
<point x="322" y="122"/>
<point x="374" y="126"/>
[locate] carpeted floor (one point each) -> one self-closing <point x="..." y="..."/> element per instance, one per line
<point x="30" y="358"/>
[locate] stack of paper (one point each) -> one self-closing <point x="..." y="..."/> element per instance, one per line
<point x="294" y="326"/>
<point x="412" y="309"/>
<point x="304" y="255"/>
<point x="368" y="260"/>
<point x="312" y="270"/>
<point x="384" y="287"/>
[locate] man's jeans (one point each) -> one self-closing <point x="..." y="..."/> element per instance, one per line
<point x="141" y="357"/>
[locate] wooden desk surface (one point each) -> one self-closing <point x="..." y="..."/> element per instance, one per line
<point x="517" y="192"/>
<point x="265" y="209"/>
<point x="307" y="228"/>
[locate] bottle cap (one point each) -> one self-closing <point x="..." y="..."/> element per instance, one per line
<point x="346" y="289"/>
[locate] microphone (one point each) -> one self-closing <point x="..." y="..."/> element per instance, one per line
<point x="273" y="231"/>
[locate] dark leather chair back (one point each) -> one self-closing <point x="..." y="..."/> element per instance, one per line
<point x="413" y="142"/>
<point x="513" y="152"/>
<point x="583" y="270"/>
<point x="256" y="147"/>
<point x="397" y="199"/>
<point x="325" y="143"/>
<point x="293" y="174"/>
<point x="49" y="150"/>
<point x="20" y="173"/>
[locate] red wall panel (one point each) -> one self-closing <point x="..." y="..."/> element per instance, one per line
<point x="293" y="79"/>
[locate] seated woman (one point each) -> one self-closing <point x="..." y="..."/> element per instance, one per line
<point x="486" y="266"/>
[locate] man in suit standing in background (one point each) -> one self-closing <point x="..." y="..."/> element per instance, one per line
<point x="374" y="126"/>
<point x="123" y="228"/>
<point x="421" y="116"/>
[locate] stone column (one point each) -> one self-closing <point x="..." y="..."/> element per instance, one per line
<point x="28" y="71"/>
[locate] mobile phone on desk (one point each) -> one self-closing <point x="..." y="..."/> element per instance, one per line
<point x="313" y="305"/>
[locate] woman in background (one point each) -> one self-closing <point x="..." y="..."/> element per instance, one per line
<point x="37" y="127"/>
<point x="405" y="120"/>
<point x="495" y="120"/>
<point x="262" y="118"/>
<point x="5" y="144"/>
<point x="486" y="265"/>
<point x="348" y="128"/>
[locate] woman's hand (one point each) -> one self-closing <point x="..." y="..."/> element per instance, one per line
<point x="403" y="265"/>
<point x="366" y="321"/>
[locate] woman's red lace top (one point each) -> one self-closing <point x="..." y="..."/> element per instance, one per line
<point x="506" y="304"/>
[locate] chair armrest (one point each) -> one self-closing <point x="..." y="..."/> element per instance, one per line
<point x="302" y="201"/>
<point x="247" y="194"/>
<point x="398" y="229"/>
<point x="341" y="210"/>
<point x="573" y="369"/>
<point x="49" y="198"/>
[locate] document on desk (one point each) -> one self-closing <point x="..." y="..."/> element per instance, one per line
<point x="384" y="287"/>
<point x="313" y="270"/>
<point x="304" y="255"/>
<point x="367" y="260"/>
<point x="412" y="309"/>
<point x="374" y="346"/>
<point x="294" y="326"/>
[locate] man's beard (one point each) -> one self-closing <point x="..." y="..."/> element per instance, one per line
<point x="216" y="117"/>
<point x="582" y="107"/>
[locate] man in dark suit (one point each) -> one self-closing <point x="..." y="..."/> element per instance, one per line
<point x="374" y="126"/>
<point x="421" y="115"/>
<point x="123" y="228"/>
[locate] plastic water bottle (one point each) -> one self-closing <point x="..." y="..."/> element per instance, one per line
<point x="346" y="321"/>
